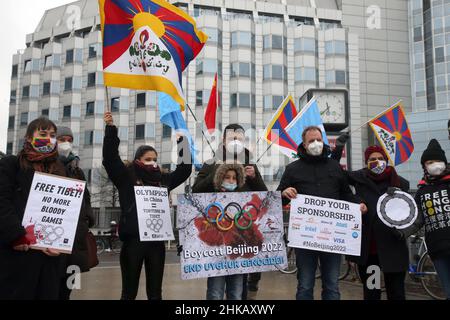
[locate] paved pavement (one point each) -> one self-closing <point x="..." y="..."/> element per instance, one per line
<point x="104" y="283"/>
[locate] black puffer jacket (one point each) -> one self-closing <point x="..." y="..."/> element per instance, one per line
<point x="317" y="176"/>
<point x="124" y="178"/>
<point x="391" y="250"/>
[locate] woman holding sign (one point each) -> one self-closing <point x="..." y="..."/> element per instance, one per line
<point x="24" y="273"/>
<point x="380" y="245"/>
<point x="143" y="171"/>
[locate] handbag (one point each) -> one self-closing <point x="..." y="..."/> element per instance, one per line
<point x="92" y="250"/>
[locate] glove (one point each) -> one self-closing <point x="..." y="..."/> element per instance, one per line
<point x="391" y="190"/>
<point x="179" y="249"/>
<point x="398" y="234"/>
<point x="342" y="139"/>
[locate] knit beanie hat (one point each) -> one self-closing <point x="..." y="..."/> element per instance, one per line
<point x="373" y="149"/>
<point x="433" y="152"/>
<point x="64" y="131"/>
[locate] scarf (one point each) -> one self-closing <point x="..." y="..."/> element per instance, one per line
<point x="40" y="162"/>
<point x="388" y="174"/>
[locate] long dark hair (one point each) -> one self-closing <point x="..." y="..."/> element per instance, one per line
<point x="41" y="123"/>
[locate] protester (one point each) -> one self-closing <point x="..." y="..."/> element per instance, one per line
<point x="228" y="178"/>
<point x="316" y="174"/>
<point x="381" y="245"/>
<point x="232" y="150"/>
<point x="143" y="171"/>
<point x="27" y="274"/>
<point x="79" y="256"/>
<point x="113" y="228"/>
<point x="433" y="199"/>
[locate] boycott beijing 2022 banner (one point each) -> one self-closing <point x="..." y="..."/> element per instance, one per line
<point x="325" y="225"/>
<point x="230" y="233"/>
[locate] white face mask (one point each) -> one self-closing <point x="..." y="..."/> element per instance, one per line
<point x="436" y="168"/>
<point x="64" y="148"/>
<point x="235" y="147"/>
<point x="315" y="148"/>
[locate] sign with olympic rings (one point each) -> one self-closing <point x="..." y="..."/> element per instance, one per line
<point x="154" y="216"/>
<point x="230" y="233"/>
<point x="52" y="211"/>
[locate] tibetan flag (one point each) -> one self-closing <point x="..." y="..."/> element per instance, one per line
<point x="211" y="110"/>
<point x="171" y="116"/>
<point x="147" y="44"/>
<point x="275" y="132"/>
<point x="308" y="116"/>
<point x="393" y="134"/>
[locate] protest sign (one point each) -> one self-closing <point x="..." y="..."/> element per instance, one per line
<point x="52" y="211"/>
<point x="155" y="223"/>
<point x="398" y="210"/>
<point x="230" y="233"/>
<point x="327" y="225"/>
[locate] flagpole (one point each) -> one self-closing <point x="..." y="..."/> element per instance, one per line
<point x="203" y="132"/>
<point x="108" y="103"/>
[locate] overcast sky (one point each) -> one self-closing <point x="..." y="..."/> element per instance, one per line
<point x="17" y="18"/>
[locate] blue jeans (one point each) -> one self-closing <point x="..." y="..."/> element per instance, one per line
<point x="233" y="284"/>
<point x="330" y="265"/>
<point x="442" y="266"/>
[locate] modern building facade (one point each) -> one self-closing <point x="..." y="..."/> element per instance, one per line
<point x="429" y="36"/>
<point x="262" y="51"/>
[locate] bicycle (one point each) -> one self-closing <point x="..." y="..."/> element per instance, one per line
<point x="108" y="241"/>
<point x="422" y="269"/>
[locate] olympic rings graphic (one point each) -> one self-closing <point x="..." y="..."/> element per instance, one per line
<point x="247" y="208"/>
<point x="230" y="215"/>
<point x="155" y="224"/>
<point x="220" y="227"/>
<point x="47" y="233"/>
<point x="218" y="217"/>
<point x="238" y="217"/>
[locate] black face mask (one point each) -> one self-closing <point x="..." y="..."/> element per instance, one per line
<point x="149" y="175"/>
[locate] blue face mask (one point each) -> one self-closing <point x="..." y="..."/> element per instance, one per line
<point x="229" y="186"/>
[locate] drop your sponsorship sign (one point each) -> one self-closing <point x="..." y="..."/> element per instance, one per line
<point x="155" y="223"/>
<point x="327" y="225"/>
<point x="52" y="211"/>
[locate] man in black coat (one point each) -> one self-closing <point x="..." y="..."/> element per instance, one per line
<point x="316" y="174"/>
<point x="232" y="150"/>
<point x="380" y="245"/>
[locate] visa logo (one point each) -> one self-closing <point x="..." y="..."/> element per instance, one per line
<point x="311" y="229"/>
<point x="339" y="240"/>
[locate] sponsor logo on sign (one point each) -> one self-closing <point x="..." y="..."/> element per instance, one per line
<point x="326" y="222"/>
<point x="325" y="231"/>
<point x="296" y="226"/>
<point x="339" y="240"/>
<point x="339" y="232"/>
<point x="341" y="225"/>
<point x="311" y="220"/>
<point x="323" y="238"/>
<point x="307" y="236"/>
<point x="310" y="229"/>
<point x="355" y="235"/>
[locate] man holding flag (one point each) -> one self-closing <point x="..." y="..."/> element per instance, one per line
<point x="316" y="174"/>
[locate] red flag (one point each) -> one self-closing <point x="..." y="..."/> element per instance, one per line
<point x="211" y="110"/>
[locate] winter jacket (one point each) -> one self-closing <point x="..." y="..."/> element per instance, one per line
<point x="79" y="256"/>
<point x="392" y="251"/>
<point x="124" y="180"/>
<point x="204" y="182"/>
<point x="433" y="202"/>
<point x="317" y="176"/>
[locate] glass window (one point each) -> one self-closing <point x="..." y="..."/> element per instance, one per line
<point x="67" y="111"/>
<point x="92" y="51"/>
<point x="234" y="69"/>
<point x="91" y="79"/>
<point x="297" y="45"/>
<point x="266" y="71"/>
<point x="140" y="132"/>
<point x="214" y="35"/>
<point x="244" y="69"/>
<point x="68" y="84"/>
<point x="277" y="42"/>
<point x="46" y="89"/>
<point x="13" y="97"/>
<point x="89" y="138"/>
<point x="26" y="92"/>
<point x="45" y="112"/>
<point x="24" y="118"/>
<point x="329" y="76"/>
<point x="69" y="56"/>
<point x="150" y="131"/>
<point x="266" y="42"/>
<point x="140" y="100"/>
<point x="439" y="54"/>
<point x="438" y="25"/>
<point x="90" y="108"/>
<point x="277" y="100"/>
<point x="27" y="67"/>
<point x="241" y="38"/>
<point x="167" y="131"/>
<point x="78" y="55"/>
<point x="340" y="77"/>
<point x="244" y="100"/>
<point x="115" y="104"/>
<point x="267" y="102"/>
<point x="233" y="100"/>
<point x="11" y="122"/>
<point x="328" y="47"/>
<point x="199" y="98"/>
<point x="277" y="72"/>
<point x="441" y="83"/>
<point x="15" y="71"/>
<point x="309" y="74"/>
<point x="48" y="61"/>
<point x="339" y="47"/>
<point x="9" y="148"/>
